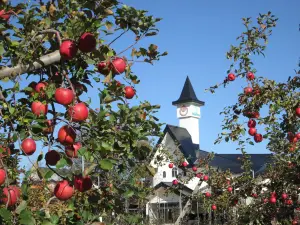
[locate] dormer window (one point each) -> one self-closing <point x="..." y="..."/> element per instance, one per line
<point x="174" y="172"/>
<point x="164" y="174"/>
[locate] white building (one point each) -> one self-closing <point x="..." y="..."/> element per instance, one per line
<point x="164" y="208"/>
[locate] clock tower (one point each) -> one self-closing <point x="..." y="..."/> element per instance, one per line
<point x="188" y="110"/>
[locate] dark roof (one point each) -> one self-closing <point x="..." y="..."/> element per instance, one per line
<point x="170" y="184"/>
<point x="188" y="94"/>
<point x="182" y="136"/>
<point x="233" y="162"/>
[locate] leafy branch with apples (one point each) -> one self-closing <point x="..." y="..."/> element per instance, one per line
<point x="55" y="54"/>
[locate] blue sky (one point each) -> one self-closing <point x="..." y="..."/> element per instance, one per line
<point x="197" y="34"/>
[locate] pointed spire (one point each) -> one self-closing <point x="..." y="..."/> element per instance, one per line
<point x="188" y="94"/>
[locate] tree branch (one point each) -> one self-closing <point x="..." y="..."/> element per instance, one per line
<point x="43" y="61"/>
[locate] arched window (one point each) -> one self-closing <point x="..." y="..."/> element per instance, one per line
<point x="174" y="172"/>
<point x="164" y="174"/>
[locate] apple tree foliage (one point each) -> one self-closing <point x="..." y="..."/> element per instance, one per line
<point x="267" y="112"/>
<point x="115" y="136"/>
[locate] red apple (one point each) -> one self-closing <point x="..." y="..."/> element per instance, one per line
<point x="254" y="195"/>
<point x="68" y="49"/>
<point x="205" y="178"/>
<point x="40" y="87"/>
<point x="229" y="189"/>
<point x="255" y="115"/>
<point x="78" y="112"/>
<point x="251" y="123"/>
<point x="52" y="157"/>
<point x="28" y="146"/>
<point x="118" y="65"/>
<point x="289" y="202"/>
<point x="129" y="92"/>
<point x="118" y="83"/>
<point x="231" y="77"/>
<point x="207" y="194"/>
<point x="250" y="76"/>
<point x="298" y="136"/>
<point x="199" y="175"/>
<point x="194" y="168"/>
<point x="2" y="176"/>
<point x="213" y="207"/>
<point x="295" y="222"/>
<point x="39" y="108"/>
<point x="171" y="165"/>
<point x="64" y="96"/>
<point x="184" y="164"/>
<point x="104" y="67"/>
<point x="298" y="111"/>
<point x="272" y="200"/>
<point x="175" y="182"/>
<point x="63" y="191"/>
<point x="252" y="131"/>
<point x="258" y="138"/>
<point x="284" y="196"/>
<point x="87" y="42"/>
<point x="66" y="135"/>
<point x="248" y="90"/>
<point x="5" y="15"/>
<point x="14" y="194"/>
<point x="265" y="200"/>
<point x="83" y="183"/>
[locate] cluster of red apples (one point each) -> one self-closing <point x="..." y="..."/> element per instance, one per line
<point x="194" y="168"/>
<point x="87" y="43"/>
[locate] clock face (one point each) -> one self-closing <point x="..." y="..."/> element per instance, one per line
<point x="183" y="110"/>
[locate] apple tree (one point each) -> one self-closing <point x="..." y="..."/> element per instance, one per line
<point x="66" y="95"/>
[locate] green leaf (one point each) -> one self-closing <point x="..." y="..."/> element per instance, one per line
<point x="21" y="207"/>
<point x="40" y="157"/>
<point x="61" y="163"/>
<point x="46" y="222"/>
<point x="5" y="214"/>
<point x="49" y="174"/>
<point x="11" y="109"/>
<point x="106" y="164"/>
<point x="128" y="194"/>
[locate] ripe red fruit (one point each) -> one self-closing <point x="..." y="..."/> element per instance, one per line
<point x="64" y="96"/>
<point x="207" y="194"/>
<point x="78" y="112"/>
<point x="295" y="222"/>
<point x="175" y="182"/>
<point x="68" y="50"/>
<point x="252" y="131"/>
<point x="39" y="108"/>
<point x="199" y="175"/>
<point x="248" y="90"/>
<point x="129" y="92"/>
<point x="289" y="202"/>
<point x="5" y="15"/>
<point x="50" y="127"/>
<point x="63" y="191"/>
<point x="52" y="157"/>
<point x="2" y="176"/>
<point x="72" y="151"/>
<point x="194" y="168"/>
<point x="254" y="195"/>
<point x="213" y="207"/>
<point x="14" y="194"/>
<point x="118" y="65"/>
<point x="205" y="178"/>
<point x="171" y="165"/>
<point x="251" y="123"/>
<point x="250" y="76"/>
<point x="284" y="196"/>
<point x="258" y="138"/>
<point x="66" y="135"/>
<point x="87" y="42"/>
<point x="184" y="164"/>
<point x="265" y="200"/>
<point x="229" y="189"/>
<point x="104" y="68"/>
<point x="40" y="87"/>
<point x="298" y="136"/>
<point x="118" y="83"/>
<point x="298" y="111"/>
<point x="28" y="146"/>
<point x="231" y="77"/>
<point x="272" y="200"/>
<point x="82" y="183"/>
